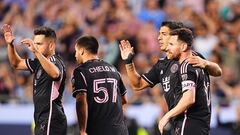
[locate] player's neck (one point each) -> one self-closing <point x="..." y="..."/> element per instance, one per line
<point x="90" y="57"/>
<point x="185" y="55"/>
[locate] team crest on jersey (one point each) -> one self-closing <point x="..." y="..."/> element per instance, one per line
<point x="174" y="68"/>
<point x="39" y="73"/>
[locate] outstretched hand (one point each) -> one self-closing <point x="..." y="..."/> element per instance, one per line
<point x="8" y="34"/>
<point x="125" y="49"/>
<point x="30" y="44"/>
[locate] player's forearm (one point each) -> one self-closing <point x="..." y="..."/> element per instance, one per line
<point x="13" y="56"/>
<point x="133" y="76"/>
<point x="185" y="102"/>
<point x="48" y="66"/>
<point x="213" y="68"/>
<point x="82" y="114"/>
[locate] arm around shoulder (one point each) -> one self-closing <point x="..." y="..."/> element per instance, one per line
<point x="213" y="69"/>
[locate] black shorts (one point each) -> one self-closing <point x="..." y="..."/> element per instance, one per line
<point x="168" y="129"/>
<point x="58" y="126"/>
<point x="191" y="127"/>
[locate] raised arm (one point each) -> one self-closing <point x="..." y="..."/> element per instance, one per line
<point x="137" y="82"/>
<point x="51" y="69"/>
<point x="15" y="60"/>
<point x="212" y="68"/>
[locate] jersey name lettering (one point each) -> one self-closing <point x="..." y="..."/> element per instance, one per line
<point x="101" y="69"/>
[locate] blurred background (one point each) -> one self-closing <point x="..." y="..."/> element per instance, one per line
<point x="216" y="24"/>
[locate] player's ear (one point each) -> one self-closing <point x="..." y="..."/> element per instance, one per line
<point x="50" y="46"/>
<point x="184" y="47"/>
<point x="82" y="51"/>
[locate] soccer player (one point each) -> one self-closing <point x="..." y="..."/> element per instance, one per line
<point x="99" y="92"/>
<point x="161" y="71"/>
<point x="193" y="109"/>
<point x="48" y="82"/>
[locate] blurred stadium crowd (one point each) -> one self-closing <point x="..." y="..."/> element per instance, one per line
<point x="216" y="24"/>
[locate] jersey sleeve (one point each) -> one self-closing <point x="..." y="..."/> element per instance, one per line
<point x="59" y="65"/>
<point x="32" y="64"/>
<point x="152" y="76"/>
<point x="79" y="83"/>
<point x="189" y="77"/>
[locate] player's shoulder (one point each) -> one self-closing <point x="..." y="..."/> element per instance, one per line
<point x="195" y="53"/>
<point x="54" y="58"/>
<point x="93" y="62"/>
<point x="106" y="63"/>
<point x="78" y="69"/>
<point x="186" y="67"/>
<point x="164" y="61"/>
<point x="35" y="60"/>
<point x="57" y="59"/>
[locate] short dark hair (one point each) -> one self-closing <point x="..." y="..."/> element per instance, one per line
<point x="46" y="31"/>
<point x="172" y="25"/>
<point x="184" y="35"/>
<point x="90" y="43"/>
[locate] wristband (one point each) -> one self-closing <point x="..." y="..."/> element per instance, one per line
<point x="11" y="42"/>
<point x="129" y="58"/>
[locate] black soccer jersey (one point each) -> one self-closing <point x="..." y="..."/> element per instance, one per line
<point x="47" y="92"/>
<point x="165" y="72"/>
<point x="104" y="87"/>
<point x="198" y="79"/>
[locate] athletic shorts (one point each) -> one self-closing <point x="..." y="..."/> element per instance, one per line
<point x="58" y="126"/>
<point x="168" y="129"/>
<point x="191" y="127"/>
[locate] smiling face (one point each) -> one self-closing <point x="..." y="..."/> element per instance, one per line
<point x="163" y="37"/>
<point x="43" y="45"/>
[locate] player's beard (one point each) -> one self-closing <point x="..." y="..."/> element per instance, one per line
<point x="169" y="55"/>
<point x="45" y="53"/>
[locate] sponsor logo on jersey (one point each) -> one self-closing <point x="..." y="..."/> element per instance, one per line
<point x="166" y="83"/>
<point x="188" y="85"/>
